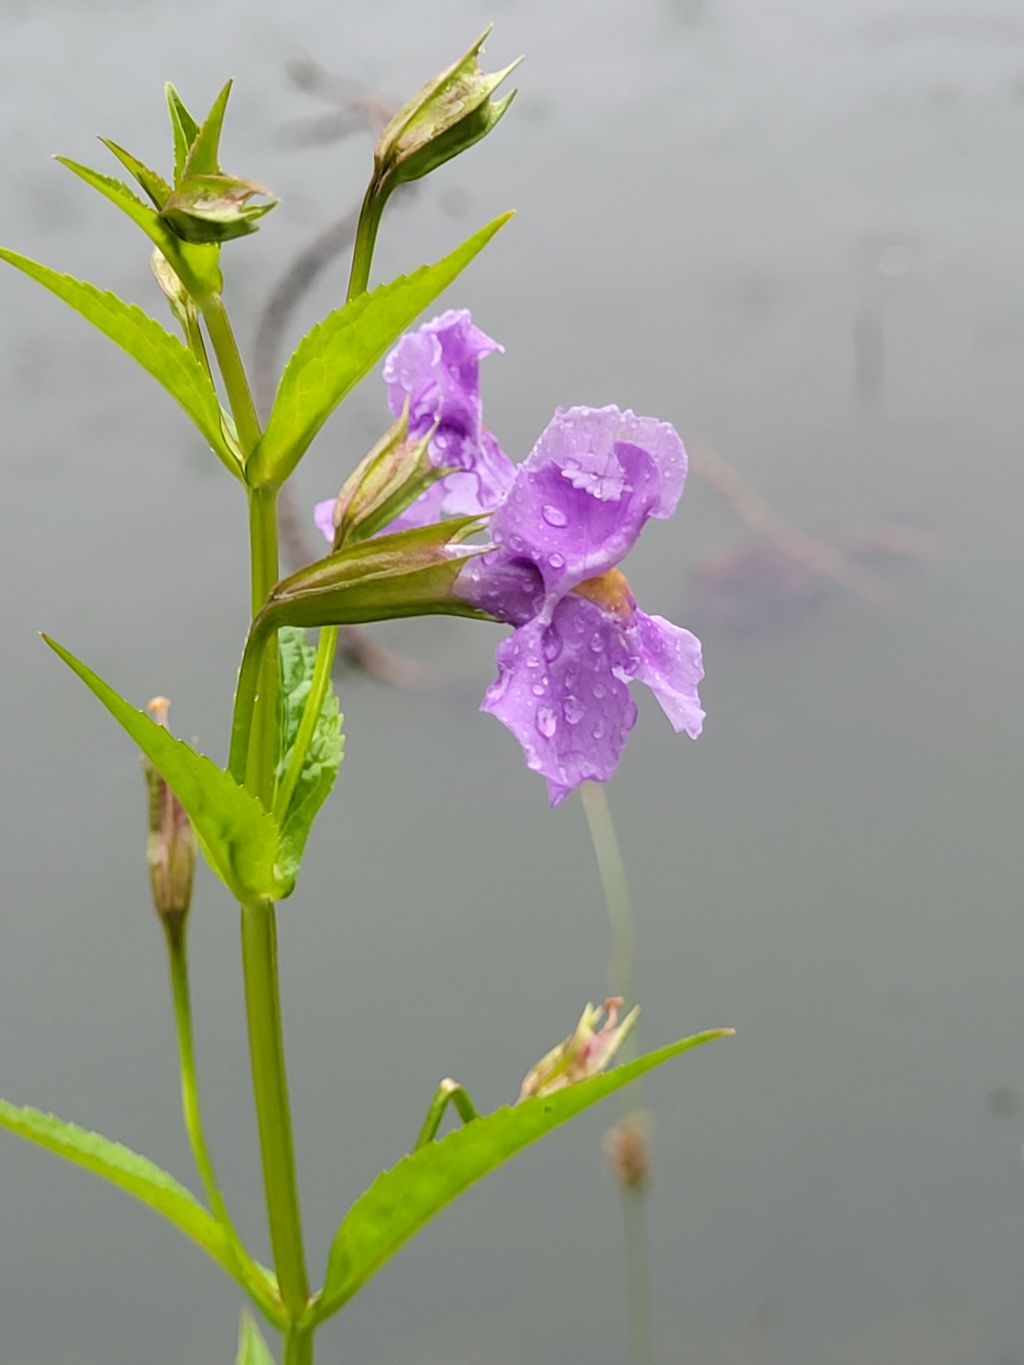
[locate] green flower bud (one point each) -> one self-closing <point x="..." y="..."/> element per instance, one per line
<point x="215" y="208"/>
<point x="444" y="118"/>
<point x="171" y="843"/>
<point x="585" y="1053"/>
<point x="384" y="483"/>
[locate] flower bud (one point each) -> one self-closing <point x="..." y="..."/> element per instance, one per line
<point x="584" y="1053"/>
<point x="171" y="843"/>
<point x="384" y="483"/>
<point x="173" y="290"/>
<point x="215" y="208"/>
<point x="442" y="119"/>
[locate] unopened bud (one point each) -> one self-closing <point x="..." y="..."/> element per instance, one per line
<point x="442" y="119"/>
<point x="384" y="483"/>
<point x="215" y="208"/>
<point x="171" y="843"/>
<point x="628" y="1148"/>
<point x="585" y="1053"/>
<point x="173" y="290"/>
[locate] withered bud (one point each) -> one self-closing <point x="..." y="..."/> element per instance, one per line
<point x="628" y="1148"/>
<point x="215" y="208"/>
<point x="171" y="843"/>
<point x="174" y="291"/>
<point x="585" y="1053"/>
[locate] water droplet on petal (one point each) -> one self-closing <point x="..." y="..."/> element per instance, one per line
<point x="598" y="730"/>
<point x="499" y="687"/>
<point x="599" y="690"/>
<point x="538" y="689"/>
<point x="556" y="560"/>
<point x="533" y="662"/>
<point x="597" y="642"/>
<point x="551" y="644"/>
<point x="629" y="715"/>
<point x="516" y="542"/>
<point x="573" y="710"/>
<point x="554" y="516"/>
<point x="547" y="721"/>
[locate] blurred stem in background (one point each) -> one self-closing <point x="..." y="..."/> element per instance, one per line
<point x="627" y="1142"/>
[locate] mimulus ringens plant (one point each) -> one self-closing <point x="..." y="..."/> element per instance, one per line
<point x="436" y="519"/>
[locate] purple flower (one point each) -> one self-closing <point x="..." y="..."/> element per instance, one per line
<point x="574" y="509"/>
<point x="437" y="368"/>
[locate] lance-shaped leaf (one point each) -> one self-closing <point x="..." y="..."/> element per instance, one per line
<point x="153" y="184"/>
<point x="296" y="663"/>
<point x="183" y="128"/>
<point x="196" y="265"/>
<point x="332" y="358"/>
<point x="402" y="1200"/>
<point x="204" y="148"/>
<point x="122" y="1167"/>
<point x="238" y="836"/>
<point x="167" y="360"/>
<point x="252" y="1349"/>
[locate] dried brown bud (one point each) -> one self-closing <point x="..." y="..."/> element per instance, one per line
<point x="628" y="1148"/>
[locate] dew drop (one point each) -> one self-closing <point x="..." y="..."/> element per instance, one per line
<point x="554" y="516"/>
<point x="538" y="689"/>
<point x="516" y="542"/>
<point x="598" y="730"/>
<point x="556" y="560"/>
<point x="533" y="662"/>
<point x="547" y="721"/>
<point x="551" y="644"/>
<point x="596" y="642"/>
<point x="573" y="710"/>
<point x="629" y="715"/>
<point x="499" y="687"/>
<point x="599" y="690"/>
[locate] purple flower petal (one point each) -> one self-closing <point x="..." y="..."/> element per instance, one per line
<point x="437" y="369"/>
<point x="579" y="500"/>
<point x="670" y="664"/>
<point x="323" y="515"/>
<point x="560" y="690"/>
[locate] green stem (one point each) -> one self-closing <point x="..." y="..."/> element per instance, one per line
<point x="366" y="239"/>
<point x="638" y="1276"/>
<point x="298" y="1347"/>
<point x="248" y="1273"/>
<point x="236" y="385"/>
<point x="262" y="753"/>
<point x="448" y="1092"/>
<point x="273" y="1110"/>
<point x="318" y="686"/>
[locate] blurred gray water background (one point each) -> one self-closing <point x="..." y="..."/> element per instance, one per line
<point x="795" y="231"/>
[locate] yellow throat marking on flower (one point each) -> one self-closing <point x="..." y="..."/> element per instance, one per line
<point x="609" y="591"/>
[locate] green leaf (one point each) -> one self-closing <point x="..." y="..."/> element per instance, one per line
<point x="238" y="836"/>
<point x="323" y="757"/>
<point x="167" y="360"/>
<point x="252" y="1349"/>
<point x="402" y="1200"/>
<point x="153" y="184"/>
<point x="126" y="1169"/>
<point x="205" y="147"/>
<point x="183" y="126"/>
<point x="332" y="358"/>
<point x="196" y="266"/>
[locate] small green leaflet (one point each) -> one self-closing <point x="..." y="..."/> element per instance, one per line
<point x="295" y="671"/>
<point x="163" y="355"/>
<point x="238" y="836"/>
<point x="402" y="1200"/>
<point x="124" y="1168"/>
<point x="154" y="185"/>
<point x="201" y="158"/>
<point x="331" y="359"/>
<point x="252" y="1349"/>
<point x="183" y="126"/>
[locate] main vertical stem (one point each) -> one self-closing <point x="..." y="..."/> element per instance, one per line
<point x="259" y="961"/>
